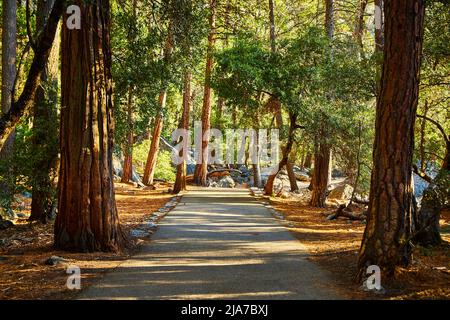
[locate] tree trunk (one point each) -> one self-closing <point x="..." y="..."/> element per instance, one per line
<point x="272" y="26"/>
<point x="87" y="218"/>
<point x="150" y="166"/>
<point x="330" y="167"/>
<point x="391" y="199"/>
<point x="180" y="181"/>
<point x="423" y="125"/>
<point x="319" y="181"/>
<point x="329" y="18"/>
<point x="9" y="48"/>
<point x="379" y="25"/>
<point x="291" y="175"/>
<point x="127" y="171"/>
<point x="308" y="161"/>
<point x="268" y="188"/>
<point x="45" y="130"/>
<point x="206" y="110"/>
<point x="359" y="25"/>
<point x="322" y="150"/>
<point x="433" y="201"/>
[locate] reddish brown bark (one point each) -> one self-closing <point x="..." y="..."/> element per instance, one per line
<point x="87" y="218"/>
<point x="389" y="227"/>
<point x="180" y="181"/>
<point x="322" y="150"/>
<point x="319" y="181"/>
<point x="206" y="110"/>
<point x="127" y="168"/>
<point x="268" y="188"/>
<point x="150" y="166"/>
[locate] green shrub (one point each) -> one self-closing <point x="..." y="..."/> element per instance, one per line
<point x="164" y="168"/>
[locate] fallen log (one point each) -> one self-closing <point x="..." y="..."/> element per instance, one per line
<point x="223" y="170"/>
<point x="342" y="212"/>
<point x="360" y="201"/>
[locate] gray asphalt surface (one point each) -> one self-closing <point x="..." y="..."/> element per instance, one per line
<point x="217" y="244"/>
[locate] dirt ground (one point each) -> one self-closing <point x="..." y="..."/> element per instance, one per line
<point x="25" y="248"/>
<point x="334" y="245"/>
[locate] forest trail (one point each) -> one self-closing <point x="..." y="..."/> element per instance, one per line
<point x="217" y="244"/>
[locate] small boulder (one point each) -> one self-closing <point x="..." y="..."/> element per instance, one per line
<point x="55" y="260"/>
<point x="285" y="195"/>
<point x="341" y="192"/>
<point x="5" y="224"/>
<point x="302" y="176"/>
<point x="226" y="182"/>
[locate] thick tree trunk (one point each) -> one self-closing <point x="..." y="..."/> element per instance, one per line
<point x="87" y="218"/>
<point x="322" y="150"/>
<point x="127" y="171"/>
<point x="180" y="181"/>
<point x="319" y="181"/>
<point x="206" y="110"/>
<point x="45" y="130"/>
<point x="391" y="200"/>
<point x="291" y="175"/>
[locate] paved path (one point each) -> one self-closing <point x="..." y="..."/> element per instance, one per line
<point x="217" y="243"/>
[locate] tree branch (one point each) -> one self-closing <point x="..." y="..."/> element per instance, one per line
<point x="44" y="45"/>
<point x="422" y="174"/>
<point x="441" y="129"/>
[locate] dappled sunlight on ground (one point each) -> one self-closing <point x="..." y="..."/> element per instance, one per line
<point x="334" y="244"/>
<point x="23" y="274"/>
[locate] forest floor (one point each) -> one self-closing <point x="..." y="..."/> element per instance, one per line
<point x="334" y="245"/>
<point x="25" y="248"/>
